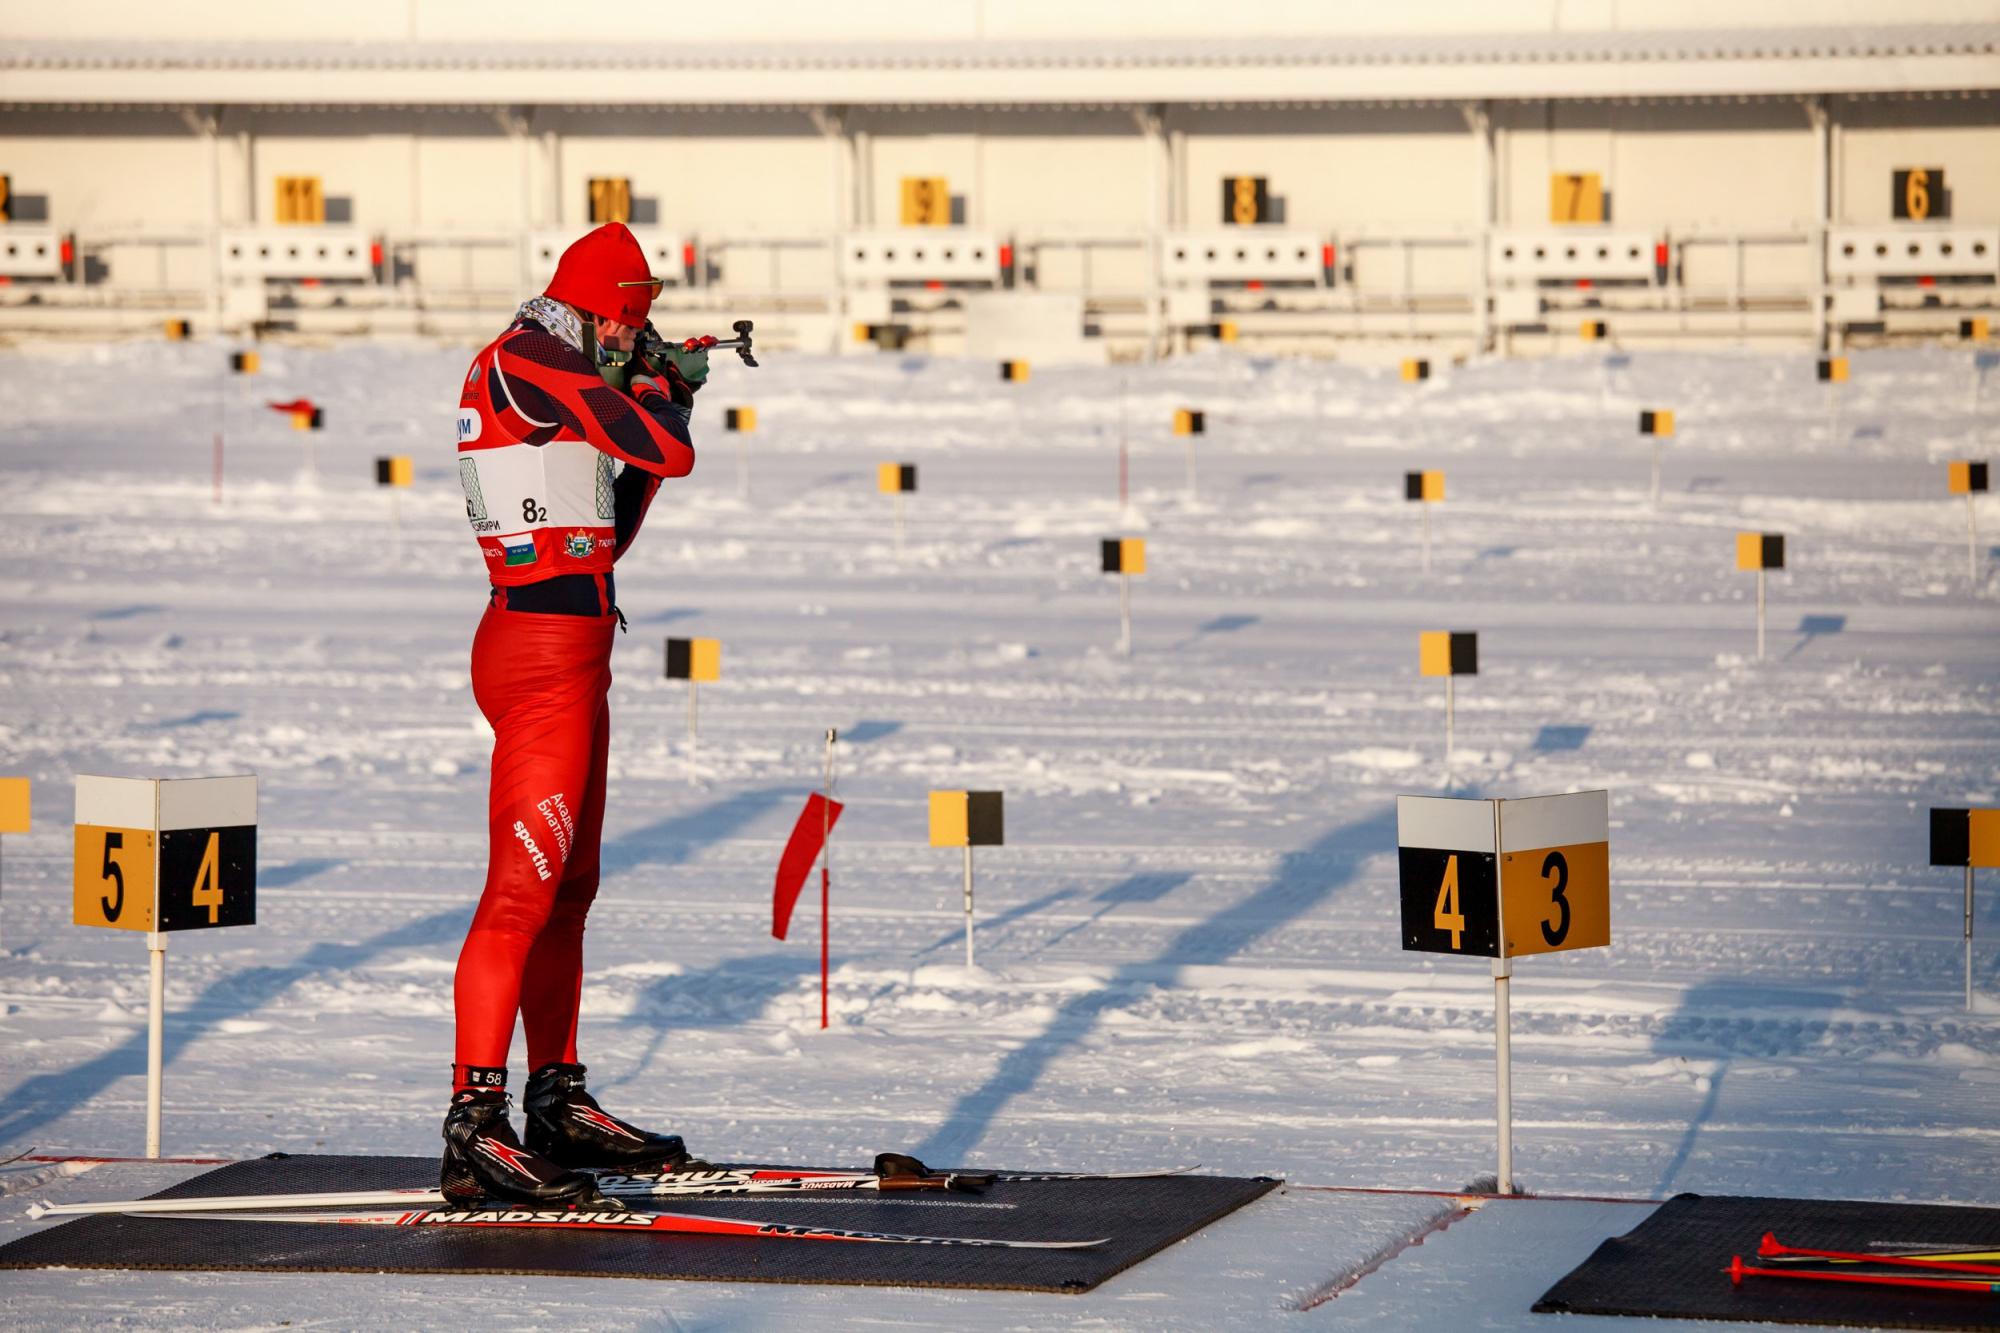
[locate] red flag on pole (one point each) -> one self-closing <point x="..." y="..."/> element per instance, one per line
<point x="808" y="837"/>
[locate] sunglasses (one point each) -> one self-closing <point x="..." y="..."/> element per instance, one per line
<point x="656" y="284"/>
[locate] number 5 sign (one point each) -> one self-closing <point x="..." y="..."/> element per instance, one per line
<point x="159" y="855"/>
<point x="1499" y="879"/>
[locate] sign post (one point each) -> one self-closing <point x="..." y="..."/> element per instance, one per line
<point x="1427" y="489"/>
<point x="1125" y="557"/>
<point x="1760" y="551"/>
<point x="1499" y="879"/>
<point x="160" y="855"/>
<point x="1969" y="478"/>
<point x="1188" y="423"/>
<point x="1965" y="838"/>
<point x="1657" y="425"/>
<point x="1447" y="653"/>
<point x="966" y="819"/>
<point x="741" y="421"/>
<point x="396" y="473"/>
<point x="898" y="480"/>
<point x="1832" y="372"/>
<point x="693" y="660"/>
<point x="15" y="798"/>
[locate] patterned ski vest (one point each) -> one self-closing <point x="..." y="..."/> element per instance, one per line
<point x="539" y="434"/>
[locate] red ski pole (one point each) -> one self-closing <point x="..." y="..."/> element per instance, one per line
<point x="1771" y="1248"/>
<point x="1738" y="1270"/>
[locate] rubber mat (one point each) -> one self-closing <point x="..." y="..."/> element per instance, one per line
<point x="1673" y="1265"/>
<point x="1141" y="1217"/>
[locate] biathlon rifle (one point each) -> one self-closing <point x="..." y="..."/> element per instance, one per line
<point x="653" y="345"/>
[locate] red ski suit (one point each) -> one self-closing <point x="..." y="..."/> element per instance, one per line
<point x="539" y="434"/>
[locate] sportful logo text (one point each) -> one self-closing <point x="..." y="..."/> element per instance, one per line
<point x="534" y="852"/>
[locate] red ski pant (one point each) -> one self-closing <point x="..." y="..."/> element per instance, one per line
<point x="542" y="682"/>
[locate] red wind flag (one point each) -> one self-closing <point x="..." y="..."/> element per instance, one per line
<point x="808" y="837"/>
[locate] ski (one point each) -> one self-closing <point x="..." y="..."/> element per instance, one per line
<point x="712" y="1182"/>
<point x="676" y="1224"/>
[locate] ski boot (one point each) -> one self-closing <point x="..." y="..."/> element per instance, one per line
<point x="484" y="1161"/>
<point x="567" y="1126"/>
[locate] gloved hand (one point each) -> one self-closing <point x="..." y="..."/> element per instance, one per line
<point x="690" y="357"/>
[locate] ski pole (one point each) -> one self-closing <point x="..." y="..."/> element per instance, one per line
<point x="1738" y="1270"/>
<point x="1771" y="1248"/>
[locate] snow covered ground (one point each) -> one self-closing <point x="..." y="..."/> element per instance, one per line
<point x="1188" y="950"/>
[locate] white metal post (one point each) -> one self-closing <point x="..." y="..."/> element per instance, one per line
<point x="1503" y="1070"/>
<point x="396" y="523"/>
<point x="1447" y="720"/>
<point x="1125" y="614"/>
<point x="1190" y="469"/>
<point x="1968" y="939"/>
<point x="1760" y="615"/>
<point x="1971" y="544"/>
<point x="692" y="740"/>
<point x="1424" y="506"/>
<point x="156" y="1022"/>
<point x="968" y="904"/>
<point x="743" y="461"/>
<point x="899" y="524"/>
<point x="1656" y="473"/>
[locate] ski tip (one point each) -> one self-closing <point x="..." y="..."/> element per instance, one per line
<point x="38" y="1211"/>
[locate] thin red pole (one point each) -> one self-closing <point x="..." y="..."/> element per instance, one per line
<point x="826" y="878"/>
<point x="1738" y="1270"/>
<point x="1771" y="1247"/>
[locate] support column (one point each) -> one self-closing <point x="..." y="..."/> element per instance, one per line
<point x="1822" y="213"/>
<point x="205" y="122"/>
<point x="1479" y="120"/>
<point x="831" y="122"/>
<point x="1159" y="206"/>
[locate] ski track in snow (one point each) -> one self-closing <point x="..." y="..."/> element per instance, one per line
<point x="1188" y="951"/>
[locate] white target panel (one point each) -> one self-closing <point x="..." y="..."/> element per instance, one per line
<point x="666" y="251"/>
<point x="1242" y="254"/>
<point x="1913" y="250"/>
<point x="294" y="252"/>
<point x="29" y="252"/>
<point x="921" y="254"/>
<point x="1570" y="254"/>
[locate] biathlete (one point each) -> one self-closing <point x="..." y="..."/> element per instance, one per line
<point x="565" y="430"/>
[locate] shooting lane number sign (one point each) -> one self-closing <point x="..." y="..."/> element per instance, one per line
<point x="1501" y="879"/>
<point x="165" y="854"/>
<point x="1969" y="477"/>
<point x="1918" y="194"/>
<point x="694" y="660"/>
<point x="1246" y="200"/>
<point x="740" y="419"/>
<point x="1426" y="489"/>
<point x="159" y="855"/>
<point x="1415" y="370"/>
<point x="896" y="478"/>
<point x="967" y="819"/>
<point x="1968" y="838"/>
<point x="1014" y="372"/>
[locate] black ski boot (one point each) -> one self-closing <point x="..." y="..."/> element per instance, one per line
<point x="484" y="1161"/>
<point x="568" y="1127"/>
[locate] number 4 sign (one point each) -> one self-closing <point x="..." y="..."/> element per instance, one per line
<point x="1499" y="879"/>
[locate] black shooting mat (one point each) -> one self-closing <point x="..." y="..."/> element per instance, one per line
<point x="1673" y="1265"/>
<point x="1141" y="1217"/>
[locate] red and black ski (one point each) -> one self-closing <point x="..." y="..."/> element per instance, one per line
<point x="674" y="1224"/>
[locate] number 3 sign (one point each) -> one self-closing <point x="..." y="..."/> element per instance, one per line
<point x="1552" y="889"/>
